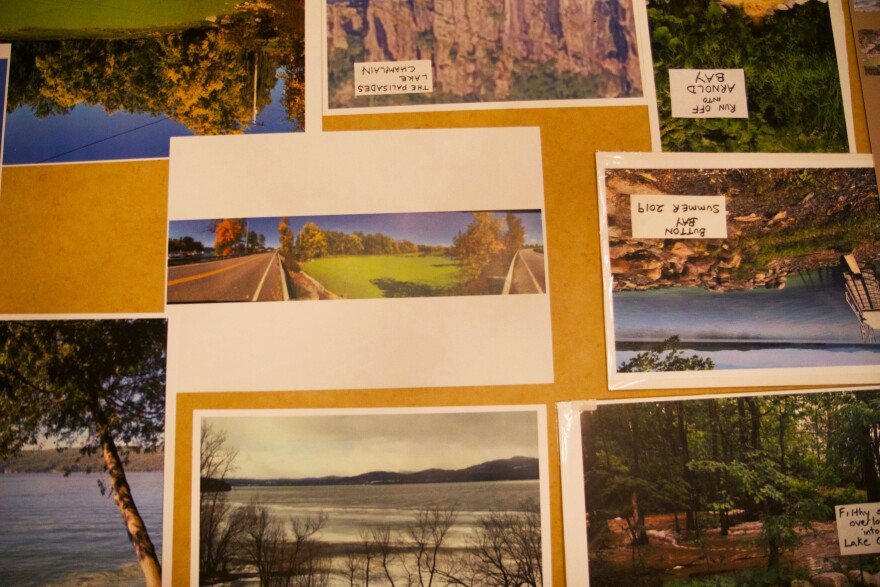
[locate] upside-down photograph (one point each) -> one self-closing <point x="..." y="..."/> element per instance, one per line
<point x="116" y="79"/>
<point x="382" y="497"/>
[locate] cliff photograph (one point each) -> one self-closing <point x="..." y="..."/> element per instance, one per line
<point x="486" y="51"/>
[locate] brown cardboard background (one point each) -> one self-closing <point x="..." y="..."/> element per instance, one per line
<point x="90" y="238"/>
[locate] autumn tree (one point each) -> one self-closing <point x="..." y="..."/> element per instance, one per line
<point x="99" y="383"/>
<point x="515" y="236"/>
<point x="477" y="246"/>
<point x="285" y="239"/>
<point x="310" y="242"/>
<point x="227" y="235"/>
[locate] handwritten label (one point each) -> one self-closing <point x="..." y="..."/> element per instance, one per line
<point x="858" y="528"/>
<point x="383" y="78"/>
<point x="677" y="217"/>
<point x="708" y="93"/>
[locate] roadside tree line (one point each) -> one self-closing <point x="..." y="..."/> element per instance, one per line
<point x="250" y="542"/>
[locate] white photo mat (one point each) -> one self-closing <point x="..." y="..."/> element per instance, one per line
<point x="541" y="443"/>
<point x="770" y="376"/>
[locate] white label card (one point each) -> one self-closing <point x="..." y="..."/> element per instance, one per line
<point x="664" y="216"/>
<point x="708" y="93"/>
<point x="383" y="78"/>
<point x="858" y="528"/>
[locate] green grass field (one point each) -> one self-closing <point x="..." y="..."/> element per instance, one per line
<point x="36" y="18"/>
<point x="377" y="276"/>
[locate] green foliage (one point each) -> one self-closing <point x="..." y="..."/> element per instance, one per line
<point x="672" y="360"/>
<point x="546" y="82"/>
<point x="794" y="98"/>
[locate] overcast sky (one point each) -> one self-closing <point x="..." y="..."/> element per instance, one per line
<point x="321" y="445"/>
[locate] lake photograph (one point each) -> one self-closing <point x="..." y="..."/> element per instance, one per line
<point x="341" y="498"/>
<point x="491" y="51"/>
<point x="356" y="256"/>
<point x="116" y="80"/>
<point x="728" y="491"/>
<point x="793" y="284"/>
<point x="81" y="461"/>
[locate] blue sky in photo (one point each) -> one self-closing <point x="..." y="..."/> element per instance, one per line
<point x="90" y="133"/>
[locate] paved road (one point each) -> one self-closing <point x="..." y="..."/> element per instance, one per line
<point x="240" y="279"/>
<point x="528" y="272"/>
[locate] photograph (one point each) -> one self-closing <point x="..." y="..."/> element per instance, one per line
<point x="491" y="51"/>
<point x="418" y="215"/>
<point x="428" y="254"/>
<point x="790" y="282"/>
<point x="114" y="80"/>
<point x="869" y="45"/>
<point x="753" y="490"/>
<point x="338" y="498"/>
<point x="797" y="93"/>
<point x="82" y="422"/>
<point x="866" y="5"/>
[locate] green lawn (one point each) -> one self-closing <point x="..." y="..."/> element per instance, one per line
<point x="377" y="276"/>
<point x="34" y="18"/>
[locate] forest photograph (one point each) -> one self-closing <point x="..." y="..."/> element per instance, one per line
<point x="490" y="51"/>
<point x="777" y="292"/>
<point x="429" y="254"/>
<point x="342" y="498"/>
<point x="115" y="80"/>
<point x="82" y="420"/>
<point x="734" y="490"/>
<point x="788" y="53"/>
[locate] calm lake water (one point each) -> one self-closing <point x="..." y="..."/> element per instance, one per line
<point x="89" y="133"/>
<point x="352" y="508"/>
<point x="806" y="323"/>
<point x="61" y="531"/>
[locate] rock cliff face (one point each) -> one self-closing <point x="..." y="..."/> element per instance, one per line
<point x="481" y="48"/>
<point x="779" y="222"/>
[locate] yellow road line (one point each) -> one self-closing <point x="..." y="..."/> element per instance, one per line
<point x="208" y="274"/>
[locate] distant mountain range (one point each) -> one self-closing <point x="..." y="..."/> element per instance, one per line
<point x="512" y="469"/>
<point x="71" y="460"/>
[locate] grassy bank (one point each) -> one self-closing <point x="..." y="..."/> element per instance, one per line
<point x="377" y="276"/>
<point x="41" y="19"/>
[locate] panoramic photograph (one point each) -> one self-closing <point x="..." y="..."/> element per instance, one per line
<point x="795" y="275"/>
<point x="82" y="419"/>
<point x="787" y="51"/>
<point x="738" y="490"/>
<point x="492" y="51"/>
<point x="404" y="497"/>
<point x="425" y="254"/>
<point x="117" y="79"/>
